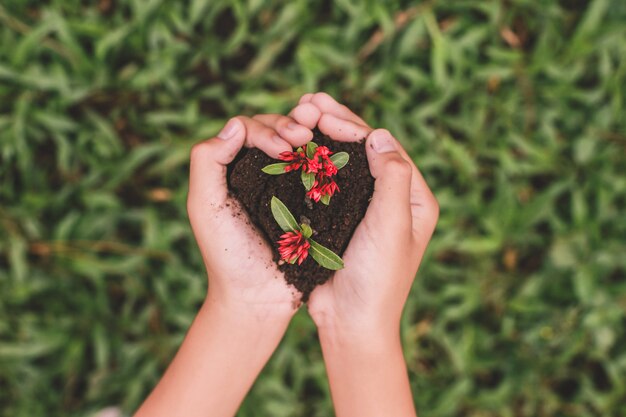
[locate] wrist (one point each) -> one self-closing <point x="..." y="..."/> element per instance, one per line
<point x="358" y="326"/>
<point x="359" y="337"/>
<point x="367" y="372"/>
<point x="248" y="316"/>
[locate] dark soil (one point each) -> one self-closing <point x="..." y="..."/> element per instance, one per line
<point x="332" y="225"/>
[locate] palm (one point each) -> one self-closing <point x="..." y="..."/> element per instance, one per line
<point x="351" y="290"/>
<point x="380" y="264"/>
<point x="229" y="243"/>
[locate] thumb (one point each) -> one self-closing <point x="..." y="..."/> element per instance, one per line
<point x="390" y="208"/>
<point x="208" y="161"/>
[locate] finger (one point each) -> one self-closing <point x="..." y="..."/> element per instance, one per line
<point x="306" y="114"/>
<point x="329" y="105"/>
<point x="389" y="211"/>
<point x="342" y="130"/>
<point x="424" y="205"/>
<point x="294" y="133"/>
<point x="306" y="98"/>
<point x="207" y="171"/>
<point x="265" y="138"/>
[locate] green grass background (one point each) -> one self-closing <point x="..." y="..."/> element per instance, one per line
<point x="514" y="110"/>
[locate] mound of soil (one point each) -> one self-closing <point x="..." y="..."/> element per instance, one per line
<point x="332" y="225"/>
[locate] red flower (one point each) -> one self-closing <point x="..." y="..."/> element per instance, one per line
<point x="319" y="164"/>
<point x="321" y="187"/>
<point x="300" y="160"/>
<point x="312" y="166"/>
<point x="297" y="159"/>
<point x="327" y="167"/>
<point x="323" y="151"/>
<point x="293" y="246"/>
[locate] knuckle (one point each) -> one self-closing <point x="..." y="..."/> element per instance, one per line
<point x="326" y="102"/>
<point x="266" y="133"/>
<point x="283" y="121"/>
<point x="307" y="108"/>
<point x="259" y="133"/>
<point x="398" y="167"/>
<point x="321" y="96"/>
<point x="305" y="98"/>
<point x="244" y="120"/>
<point x="200" y="150"/>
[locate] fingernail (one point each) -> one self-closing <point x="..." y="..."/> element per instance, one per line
<point x="382" y="141"/>
<point x="230" y="130"/>
<point x="292" y="126"/>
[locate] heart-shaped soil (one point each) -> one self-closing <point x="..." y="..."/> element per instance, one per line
<point x="333" y="225"/>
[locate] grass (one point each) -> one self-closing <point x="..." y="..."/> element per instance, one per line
<point x="513" y="110"/>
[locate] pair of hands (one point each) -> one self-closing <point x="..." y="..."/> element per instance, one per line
<point x="367" y="296"/>
<point x="249" y="305"/>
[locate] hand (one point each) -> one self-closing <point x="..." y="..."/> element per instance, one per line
<point x="358" y="310"/>
<point x="248" y="305"/>
<point x="242" y="274"/>
<point x="385" y="251"/>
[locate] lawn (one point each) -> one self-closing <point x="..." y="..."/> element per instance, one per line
<point x="514" y="110"/>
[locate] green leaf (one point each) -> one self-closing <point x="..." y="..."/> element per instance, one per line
<point x="310" y="149"/>
<point x="308" y="179"/>
<point x="340" y="159"/>
<point x="324" y="256"/>
<point x="325" y="199"/>
<point x="283" y="216"/>
<point x="306" y="230"/>
<point x="275" y="169"/>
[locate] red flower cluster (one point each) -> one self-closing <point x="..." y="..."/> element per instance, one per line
<point x="293" y="246"/>
<point x="320" y="165"/>
<point x="322" y="186"/>
<point x="325" y="165"/>
<point x="296" y="159"/>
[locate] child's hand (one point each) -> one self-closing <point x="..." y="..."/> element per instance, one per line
<point x="358" y="311"/>
<point x="242" y="274"/>
<point x="367" y="296"/>
<point x="249" y="305"/>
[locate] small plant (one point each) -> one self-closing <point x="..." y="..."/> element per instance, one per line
<point x="318" y="166"/>
<point x="296" y="243"/>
